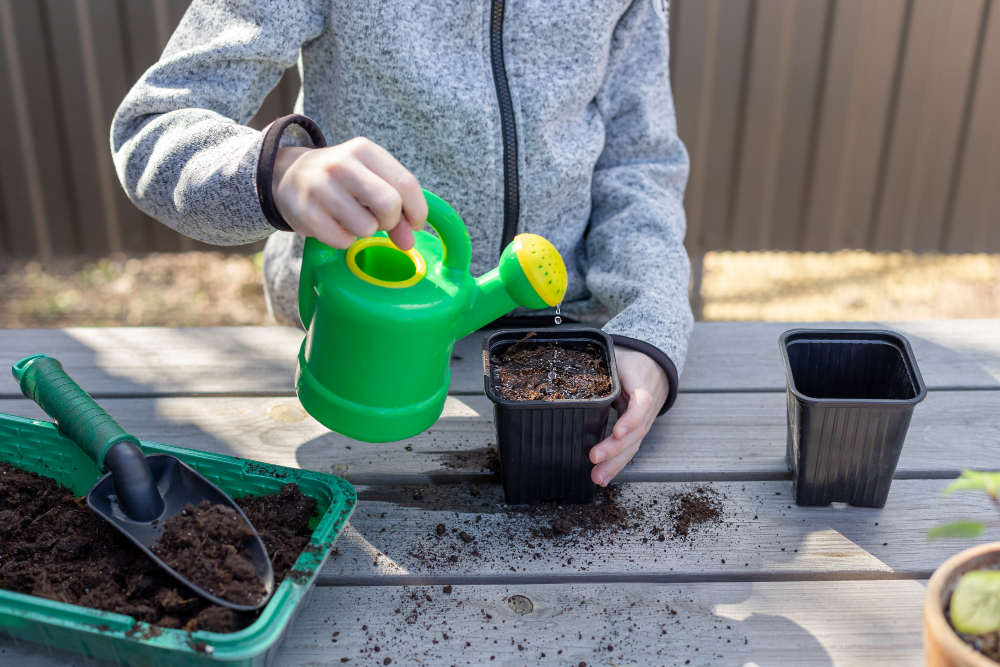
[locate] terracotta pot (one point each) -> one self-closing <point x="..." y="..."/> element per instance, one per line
<point x="942" y="646"/>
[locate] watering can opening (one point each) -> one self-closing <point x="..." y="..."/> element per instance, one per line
<point x="378" y="261"/>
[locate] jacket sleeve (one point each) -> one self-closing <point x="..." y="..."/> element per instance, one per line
<point x="181" y="147"/>
<point x="637" y="267"/>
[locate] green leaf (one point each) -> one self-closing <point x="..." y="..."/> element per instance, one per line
<point x="971" y="480"/>
<point x="956" y="529"/>
<point x="975" y="604"/>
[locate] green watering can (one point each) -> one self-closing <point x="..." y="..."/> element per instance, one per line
<point x="381" y="323"/>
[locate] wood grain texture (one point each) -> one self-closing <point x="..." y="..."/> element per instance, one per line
<point x="722" y="356"/>
<point x="705" y="437"/>
<point x="762" y="535"/>
<point x="814" y="624"/>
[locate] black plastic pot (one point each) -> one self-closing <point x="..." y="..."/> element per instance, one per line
<point x="851" y="394"/>
<point x="544" y="446"/>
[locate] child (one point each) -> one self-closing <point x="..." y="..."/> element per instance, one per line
<point x="553" y="117"/>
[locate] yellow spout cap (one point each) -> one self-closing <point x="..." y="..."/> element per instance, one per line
<point x="533" y="272"/>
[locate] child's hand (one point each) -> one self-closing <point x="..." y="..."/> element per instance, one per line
<point x="344" y="192"/>
<point x="644" y="389"/>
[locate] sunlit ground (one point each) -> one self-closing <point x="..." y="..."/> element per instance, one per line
<point x="849" y="285"/>
<point x="202" y="289"/>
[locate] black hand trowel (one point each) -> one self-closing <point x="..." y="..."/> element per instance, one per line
<point x="139" y="493"/>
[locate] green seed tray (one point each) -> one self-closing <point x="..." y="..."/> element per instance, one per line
<point x="37" y="447"/>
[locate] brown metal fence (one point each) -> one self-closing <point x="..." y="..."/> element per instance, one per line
<point x="812" y="124"/>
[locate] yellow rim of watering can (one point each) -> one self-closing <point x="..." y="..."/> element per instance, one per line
<point x="382" y="242"/>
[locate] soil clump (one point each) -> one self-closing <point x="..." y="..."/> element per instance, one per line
<point x="206" y="545"/>
<point x="549" y="372"/>
<point x="53" y="546"/>
<point x="690" y="508"/>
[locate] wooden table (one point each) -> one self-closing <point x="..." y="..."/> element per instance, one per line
<point x="774" y="584"/>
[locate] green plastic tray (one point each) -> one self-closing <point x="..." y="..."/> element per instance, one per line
<point x="36" y="446"/>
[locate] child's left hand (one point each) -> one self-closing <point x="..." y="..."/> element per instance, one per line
<point x="644" y="389"/>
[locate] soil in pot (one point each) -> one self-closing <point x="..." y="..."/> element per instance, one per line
<point x="549" y="372"/>
<point x="53" y="546"/>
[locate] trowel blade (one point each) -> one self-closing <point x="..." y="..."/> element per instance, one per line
<point x="178" y="485"/>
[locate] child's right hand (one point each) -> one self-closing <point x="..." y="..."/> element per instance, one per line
<point x="344" y="192"/>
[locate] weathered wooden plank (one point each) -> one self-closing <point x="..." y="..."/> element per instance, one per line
<point x="705" y="437"/>
<point x="742" y="356"/>
<point x="723" y="356"/>
<point x="795" y="624"/>
<point x="975" y="221"/>
<point x="761" y="535"/>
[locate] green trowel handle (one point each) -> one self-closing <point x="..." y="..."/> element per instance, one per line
<point x="80" y="418"/>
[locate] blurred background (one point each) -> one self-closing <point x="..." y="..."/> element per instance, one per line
<point x="845" y="165"/>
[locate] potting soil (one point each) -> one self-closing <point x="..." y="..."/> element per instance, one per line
<point x="205" y="544"/>
<point x="53" y="546"/>
<point x="988" y="644"/>
<point x="549" y="372"/>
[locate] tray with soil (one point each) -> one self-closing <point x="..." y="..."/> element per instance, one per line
<point x="552" y="392"/>
<point x="71" y="581"/>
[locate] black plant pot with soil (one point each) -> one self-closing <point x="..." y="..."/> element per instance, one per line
<point x="851" y="394"/>
<point x="552" y="391"/>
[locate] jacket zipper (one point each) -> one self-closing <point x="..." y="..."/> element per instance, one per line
<point x="511" y="202"/>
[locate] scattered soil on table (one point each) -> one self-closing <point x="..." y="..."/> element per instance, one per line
<point x="530" y="531"/>
<point x="207" y="546"/>
<point x="53" y="546"/>
<point x="549" y="372"/>
<point x="691" y="508"/>
<point x="484" y="459"/>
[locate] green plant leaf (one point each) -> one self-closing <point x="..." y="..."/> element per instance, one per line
<point x="975" y="604"/>
<point x="971" y="480"/>
<point x="957" y="529"/>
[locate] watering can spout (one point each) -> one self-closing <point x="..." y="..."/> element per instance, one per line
<point x="531" y="274"/>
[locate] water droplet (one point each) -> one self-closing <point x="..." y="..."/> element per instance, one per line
<point x="558" y="311"/>
<point x="558" y="320"/>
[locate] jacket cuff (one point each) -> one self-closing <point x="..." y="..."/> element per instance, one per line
<point x="269" y="153"/>
<point x="659" y="357"/>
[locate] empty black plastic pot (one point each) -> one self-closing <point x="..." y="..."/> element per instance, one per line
<point x="544" y="446"/>
<point x="851" y="394"/>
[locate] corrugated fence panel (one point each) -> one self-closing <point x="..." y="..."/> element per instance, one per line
<point x="925" y="132"/>
<point x="812" y="124"/>
<point x="852" y="118"/>
<point x="974" y="221"/>
<point x="828" y="124"/>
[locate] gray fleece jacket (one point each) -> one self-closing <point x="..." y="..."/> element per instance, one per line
<point x="553" y="117"/>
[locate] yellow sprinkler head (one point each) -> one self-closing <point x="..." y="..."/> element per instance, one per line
<point x="533" y="272"/>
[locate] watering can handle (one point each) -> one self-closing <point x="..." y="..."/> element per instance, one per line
<point x="452" y="231"/>
<point x="80" y="418"/>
